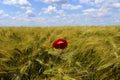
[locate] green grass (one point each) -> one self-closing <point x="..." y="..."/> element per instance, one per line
<point x="93" y="53"/>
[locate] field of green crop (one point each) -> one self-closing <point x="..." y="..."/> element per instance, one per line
<point x="93" y="53"/>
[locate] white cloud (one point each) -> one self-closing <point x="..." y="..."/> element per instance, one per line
<point x="98" y="1"/>
<point x="3" y="18"/>
<point x="87" y="11"/>
<point x="105" y="3"/>
<point x="96" y="12"/>
<point x="54" y="1"/>
<point x="86" y="1"/>
<point x="101" y="12"/>
<point x="71" y="7"/>
<point x="102" y="8"/>
<point x="29" y="11"/>
<point x="101" y="3"/>
<point x="68" y="19"/>
<point x="91" y="12"/>
<point x="52" y="10"/>
<point x="24" y="4"/>
<point x="3" y="14"/>
<point x="116" y="5"/>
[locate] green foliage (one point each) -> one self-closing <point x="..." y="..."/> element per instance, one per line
<point x="93" y="53"/>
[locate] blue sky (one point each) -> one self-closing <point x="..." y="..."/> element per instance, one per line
<point x="59" y="12"/>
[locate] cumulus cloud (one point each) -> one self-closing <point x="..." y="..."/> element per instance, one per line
<point x="30" y="12"/>
<point x="3" y="14"/>
<point x="116" y="5"/>
<point x="54" y="1"/>
<point x="51" y="10"/>
<point x="4" y="18"/>
<point x="24" y="4"/>
<point x="97" y="12"/>
<point x="93" y="12"/>
<point x="98" y="1"/>
<point x="106" y="3"/>
<point x="86" y="1"/>
<point x="101" y="7"/>
<point x="71" y="7"/>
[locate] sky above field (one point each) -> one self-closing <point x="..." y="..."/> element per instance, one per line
<point x="59" y="12"/>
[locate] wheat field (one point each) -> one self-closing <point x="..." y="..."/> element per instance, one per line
<point x="93" y="53"/>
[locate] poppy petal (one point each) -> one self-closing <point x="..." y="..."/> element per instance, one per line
<point x="60" y="43"/>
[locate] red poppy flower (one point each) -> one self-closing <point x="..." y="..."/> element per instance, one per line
<point x="60" y="43"/>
